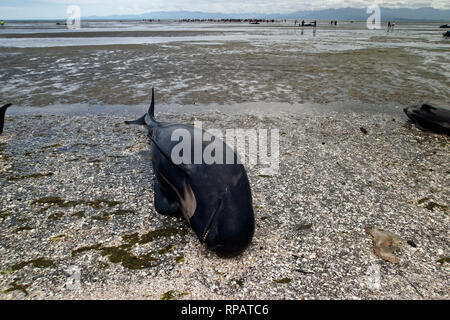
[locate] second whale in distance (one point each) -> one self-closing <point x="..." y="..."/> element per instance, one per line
<point x="2" y="116"/>
<point x="427" y="117"/>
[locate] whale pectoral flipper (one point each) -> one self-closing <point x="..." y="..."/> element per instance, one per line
<point x="163" y="204"/>
<point x="419" y="126"/>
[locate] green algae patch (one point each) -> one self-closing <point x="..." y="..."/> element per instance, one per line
<point x="131" y="238"/>
<point x="304" y="227"/>
<point x="14" y="286"/>
<point x="51" y="146"/>
<point x="103" y="217"/>
<point x="30" y="176"/>
<point x="57" y="201"/>
<point x="433" y="205"/>
<point x="122" y="254"/>
<point x="423" y="200"/>
<point x="134" y="238"/>
<point x="173" y="294"/>
<point x="58" y="238"/>
<point x="37" y="263"/>
<point x="23" y="229"/>
<point x="107" y="215"/>
<point x="161" y="233"/>
<point x="283" y="281"/>
<point x="56" y="216"/>
<point x="100" y="203"/>
<point x="166" y="249"/>
<point x="6" y="271"/>
<point x="444" y="260"/>
<point x="96" y="204"/>
<point x="115" y="156"/>
<point x="52" y="201"/>
<point x="127" y="259"/>
<point x="84" y="249"/>
<point x="78" y="214"/>
<point x="179" y="259"/>
<point x="94" y="161"/>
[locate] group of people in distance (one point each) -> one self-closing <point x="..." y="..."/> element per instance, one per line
<point x="390" y="26"/>
<point x="303" y="24"/>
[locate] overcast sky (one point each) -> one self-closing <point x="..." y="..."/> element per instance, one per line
<point x="48" y="9"/>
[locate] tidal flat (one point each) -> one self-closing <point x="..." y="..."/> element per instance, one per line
<point x="203" y="63"/>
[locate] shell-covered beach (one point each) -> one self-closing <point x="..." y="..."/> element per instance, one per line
<point x="77" y="217"/>
<point x="77" y="192"/>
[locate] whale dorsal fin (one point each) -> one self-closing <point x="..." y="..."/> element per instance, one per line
<point x="185" y="193"/>
<point x="2" y="115"/>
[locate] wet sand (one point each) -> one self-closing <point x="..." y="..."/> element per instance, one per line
<point x="77" y="192"/>
<point x="105" y="34"/>
<point x="226" y="64"/>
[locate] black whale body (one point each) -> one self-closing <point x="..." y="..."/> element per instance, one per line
<point x="427" y="117"/>
<point x="2" y="116"/>
<point x="214" y="198"/>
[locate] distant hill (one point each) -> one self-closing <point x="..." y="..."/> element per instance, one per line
<point x="420" y="14"/>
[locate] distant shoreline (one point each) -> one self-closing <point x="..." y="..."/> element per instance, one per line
<point x="99" y="19"/>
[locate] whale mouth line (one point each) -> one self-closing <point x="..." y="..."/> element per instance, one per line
<point x="210" y="222"/>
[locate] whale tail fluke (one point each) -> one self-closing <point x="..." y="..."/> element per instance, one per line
<point x="148" y="118"/>
<point x="2" y="115"/>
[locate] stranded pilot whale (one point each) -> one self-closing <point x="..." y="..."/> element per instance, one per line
<point x="214" y="198"/>
<point x="427" y="117"/>
<point x="2" y="115"/>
